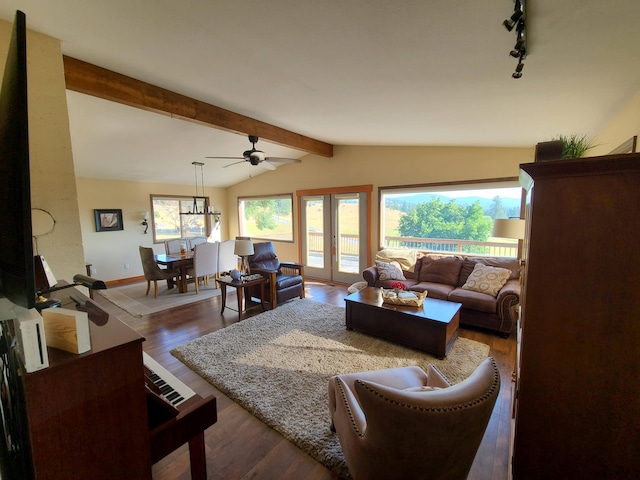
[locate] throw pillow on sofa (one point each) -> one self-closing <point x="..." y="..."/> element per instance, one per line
<point x="485" y="279"/>
<point x="389" y="271"/>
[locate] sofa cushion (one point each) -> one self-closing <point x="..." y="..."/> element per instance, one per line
<point x="486" y="279"/>
<point x="389" y="271"/>
<point x="439" y="291"/>
<point x="469" y="299"/>
<point x="468" y="263"/>
<point x="440" y="269"/>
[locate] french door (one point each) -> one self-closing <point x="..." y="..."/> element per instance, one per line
<point x="335" y="235"/>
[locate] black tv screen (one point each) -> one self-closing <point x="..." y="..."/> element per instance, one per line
<point x="17" y="279"/>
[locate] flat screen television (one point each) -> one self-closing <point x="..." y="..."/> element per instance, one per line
<point x="17" y="278"/>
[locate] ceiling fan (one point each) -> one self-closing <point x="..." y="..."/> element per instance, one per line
<point x="257" y="157"/>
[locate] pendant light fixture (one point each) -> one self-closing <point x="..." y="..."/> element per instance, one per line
<point x="200" y="199"/>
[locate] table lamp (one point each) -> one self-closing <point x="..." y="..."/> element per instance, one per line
<point x="508" y="228"/>
<point x="244" y="248"/>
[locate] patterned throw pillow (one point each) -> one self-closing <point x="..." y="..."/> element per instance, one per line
<point x="389" y="271"/>
<point x="485" y="279"/>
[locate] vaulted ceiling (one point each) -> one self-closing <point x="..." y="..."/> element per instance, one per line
<point x="360" y="72"/>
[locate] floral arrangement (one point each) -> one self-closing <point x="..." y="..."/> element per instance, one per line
<point x="398" y="286"/>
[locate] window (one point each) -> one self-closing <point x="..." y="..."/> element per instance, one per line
<point x="268" y="218"/>
<point x="451" y="217"/>
<point x="168" y="223"/>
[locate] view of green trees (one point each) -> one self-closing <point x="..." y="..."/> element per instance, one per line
<point x="267" y="213"/>
<point x="436" y="219"/>
<point x="439" y="219"/>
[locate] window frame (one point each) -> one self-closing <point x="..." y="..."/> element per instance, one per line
<point x="242" y="230"/>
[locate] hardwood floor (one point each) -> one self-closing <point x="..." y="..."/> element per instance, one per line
<point x="239" y="446"/>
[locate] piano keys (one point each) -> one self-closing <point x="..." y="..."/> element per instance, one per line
<point x="167" y="385"/>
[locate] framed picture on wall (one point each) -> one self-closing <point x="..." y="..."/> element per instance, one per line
<point x="108" y="220"/>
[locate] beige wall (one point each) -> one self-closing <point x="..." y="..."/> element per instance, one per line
<point x="108" y="252"/>
<point x="378" y="166"/>
<point x="52" y="173"/>
<point x="624" y="125"/>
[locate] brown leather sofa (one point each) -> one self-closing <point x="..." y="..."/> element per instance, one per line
<point x="443" y="276"/>
<point x="404" y="423"/>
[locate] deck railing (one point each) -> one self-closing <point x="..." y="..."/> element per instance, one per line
<point x="350" y="245"/>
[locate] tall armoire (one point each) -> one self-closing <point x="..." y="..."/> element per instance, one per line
<point x="577" y="402"/>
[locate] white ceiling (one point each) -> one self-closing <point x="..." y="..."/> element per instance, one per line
<point x="358" y="72"/>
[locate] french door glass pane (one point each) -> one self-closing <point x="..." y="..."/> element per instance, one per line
<point x="315" y="232"/>
<point x="348" y="233"/>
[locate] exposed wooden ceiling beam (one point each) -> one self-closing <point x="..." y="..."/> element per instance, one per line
<point x="90" y="79"/>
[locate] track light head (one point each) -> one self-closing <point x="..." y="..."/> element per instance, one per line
<point x="518" y="49"/>
<point x="518" y="72"/>
<point x="510" y="22"/>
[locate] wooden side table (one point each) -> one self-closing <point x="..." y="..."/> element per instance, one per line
<point x="240" y="286"/>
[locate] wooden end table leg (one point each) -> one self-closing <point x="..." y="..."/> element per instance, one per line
<point x="262" y="295"/>
<point x="240" y="295"/>
<point x="197" y="457"/>
<point x="223" y="292"/>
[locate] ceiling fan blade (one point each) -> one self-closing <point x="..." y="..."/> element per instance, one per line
<point x="227" y="158"/>
<point x="267" y="165"/>
<point x="234" y="163"/>
<point x="282" y="160"/>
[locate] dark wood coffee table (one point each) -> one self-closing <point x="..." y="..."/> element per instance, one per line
<point x="431" y="328"/>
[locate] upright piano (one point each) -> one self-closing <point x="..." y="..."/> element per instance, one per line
<point x="110" y="412"/>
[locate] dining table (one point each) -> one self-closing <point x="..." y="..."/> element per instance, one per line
<point x="178" y="262"/>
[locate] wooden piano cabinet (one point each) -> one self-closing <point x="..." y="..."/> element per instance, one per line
<point x="577" y="390"/>
<point x="196" y="415"/>
<point x="86" y="414"/>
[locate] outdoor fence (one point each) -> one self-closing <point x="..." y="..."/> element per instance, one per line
<point x="350" y="245"/>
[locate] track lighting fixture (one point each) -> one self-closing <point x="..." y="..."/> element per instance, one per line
<point x="517" y="21"/>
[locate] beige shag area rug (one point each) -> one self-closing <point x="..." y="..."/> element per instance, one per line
<point x="131" y="298"/>
<point x="277" y="366"/>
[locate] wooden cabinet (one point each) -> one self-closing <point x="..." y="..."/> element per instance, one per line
<point x="577" y="406"/>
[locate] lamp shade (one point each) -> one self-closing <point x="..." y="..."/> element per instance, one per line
<point x="243" y="248"/>
<point x="508" y="228"/>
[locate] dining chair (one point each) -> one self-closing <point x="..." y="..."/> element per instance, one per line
<point x="205" y="263"/>
<point x="173" y="246"/>
<point x="153" y="273"/>
<point x="193" y="241"/>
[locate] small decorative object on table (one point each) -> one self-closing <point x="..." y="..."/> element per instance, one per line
<point x="235" y="274"/>
<point x="409" y="299"/>
<point x="397" y="286"/>
<point x="248" y="278"/>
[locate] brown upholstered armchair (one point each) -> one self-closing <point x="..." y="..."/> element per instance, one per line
<point x="285" y="280"/>
<point x="405" y="423"/>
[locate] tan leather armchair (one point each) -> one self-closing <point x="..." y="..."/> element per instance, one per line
<point x="285" y="280"/>
<point x="406" y="423"/>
